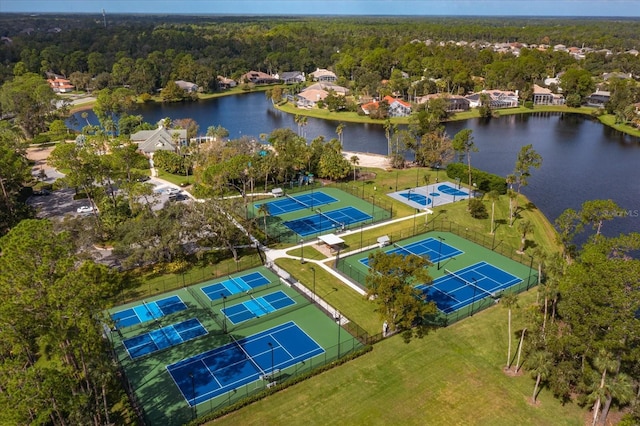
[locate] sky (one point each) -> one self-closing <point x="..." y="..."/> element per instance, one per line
<point x="583" y="8"/>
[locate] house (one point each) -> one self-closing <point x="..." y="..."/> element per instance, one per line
<point x="60" y="85"/>
<point x="620" y="75"/>
<point x="291" y="77"/>
<point x="317" y="92"/>
<point x="598" y="99"/>
<point x="187" y="86"/>
<point x="323" y="75"/>
<point x="225" y="83"/>
<point x="327" y="86"/>
<point x="397" y="107"/>
<point x="544" y="96"/>
<point x="455" y="103"/>
<point x="259" y="77"/>
<point x="497" y="98"/>
<point x="310" y="97"/>
<point x="160" y="139"/>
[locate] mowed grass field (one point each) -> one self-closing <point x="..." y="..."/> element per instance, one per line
<point x="453" y="376"/>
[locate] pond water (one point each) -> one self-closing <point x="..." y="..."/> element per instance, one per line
<point x="582" y="159"/>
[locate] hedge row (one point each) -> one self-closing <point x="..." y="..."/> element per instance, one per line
<point x="485" y="182"/>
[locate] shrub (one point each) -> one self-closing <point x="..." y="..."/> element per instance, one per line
<point x="528" y="104"/>
<point x="477" y="209"/>
<point x="485" y="182"/>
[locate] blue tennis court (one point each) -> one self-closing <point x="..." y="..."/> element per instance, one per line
<point x="162" y="338"/>
<point x="416" y="198"/>
<point x="468" y="285"/>
<point x="255" y="308"/>
<point x="148" y="311"/>
<point x="290" y="204"/>
<point x="323" y="221"/>
<point x="450" y="190"/>
<point x="434" y="248"/>
<point x="215" y="372"/>
<point x="234" y="285"/>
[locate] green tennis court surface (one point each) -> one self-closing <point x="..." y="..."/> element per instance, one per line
<point x="257" y="307"/>
<point x="433" y="248"/>
<point x="234" y="285"/>
<point x="257" y="357"/>
<point x="290" y="204"/>
<point x="466" y="286"/>
<point x="148" y="311"/>
<point x="162" y="338"/>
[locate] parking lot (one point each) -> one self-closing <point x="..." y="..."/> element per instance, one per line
<point x="60" y="203"/>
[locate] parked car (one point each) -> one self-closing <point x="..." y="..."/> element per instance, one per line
<point x="85" y="209"/>
<point x="42" y="192"/>
<point x="142" y="179"/>
<point x="172" y="191"/>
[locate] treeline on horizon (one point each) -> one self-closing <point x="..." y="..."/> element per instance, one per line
<point x="241" y="43"/>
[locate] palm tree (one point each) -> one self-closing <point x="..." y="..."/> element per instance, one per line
<point x="264" y="211"/>
<point x="540" y="362"/>
<point x="355" y="161"/>
<point x="603" y="362"/>
<point x="493" y="196"/>
<point x="512" y="195"/>
<point x="339" y="131"/>
<point x="509" y="301"/>
<point x="524" y="227"/>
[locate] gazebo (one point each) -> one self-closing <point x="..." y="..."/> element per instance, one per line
<point x="332" y="241"/>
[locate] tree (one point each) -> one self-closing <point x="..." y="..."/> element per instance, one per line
<point x="512" y="198"/>
<point x="493" y="196"/>
<point x="173" y="93"/>
<point x="264" y="211"/>
<point x="576" y="81"/>
<point x="339" y="131"/>
<point x="509" y="301"/>
<point x="463" y="143"/>
<point x="332" y="164"/>
<point x="391" y="284"/>
<point x="14" y="172"/>
<point x="595" y="212"/>
<point x="527" y="158"/>
<point x="49" y="299"/>
<point x="355" y="161"/>
<point x="29" y="98"/>
<point x="540" y="362"/>
<point x="568" y="226"/>
<point x="524" y="227"/>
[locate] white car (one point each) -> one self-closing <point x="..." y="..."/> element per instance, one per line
<point x="85" y="209"/>
<point x="172" y="191"/>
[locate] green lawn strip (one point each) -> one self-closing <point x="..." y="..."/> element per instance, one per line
<point x="147" y="283"/>
<point x="336" y="293"/>
<point x="452" y="376"/>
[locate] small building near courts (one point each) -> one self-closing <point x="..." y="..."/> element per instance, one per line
<point x="331" y="242"/>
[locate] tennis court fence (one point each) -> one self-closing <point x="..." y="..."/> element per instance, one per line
<point x="348" y="348"/>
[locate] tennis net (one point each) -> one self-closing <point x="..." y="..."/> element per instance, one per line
<point x="469" y="283"/>
<point x="207" y="307"/>
<point x="241" y="285"/>
<point x="255" y="364"/>
<point x="335" y="222"/>
<point x="305" y="205"/>
<point x="406" y="250"/>
<point x="260" y="305"/>
<point x="149" y="311"/>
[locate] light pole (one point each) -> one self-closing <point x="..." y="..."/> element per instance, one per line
<point x="272" y="370"/>
<point x="437" y="172"/>
<point x="301" y="250"/>
<point x="373" y="209"/>
<point x="530" y="269"/>
<point x="414" y="221"/>
<point x="440" y="251"/>
<point x="474" y="190"/>
<point x="314" y="282"/>
<point x="417" y="175"/>
<point x="397" y="172"/>
<point x="224" y="316"/>
<point x="458" y="179"/>
<point x="338" y="320"/>
<point x="319" y="214"/>
<point x="475" y="284"/>
<point x="193" y="396"/>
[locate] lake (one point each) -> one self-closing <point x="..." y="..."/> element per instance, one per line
<point x="582" y="159"/>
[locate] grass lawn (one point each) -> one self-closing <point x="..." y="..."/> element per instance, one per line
<point x="452" y="376"/>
